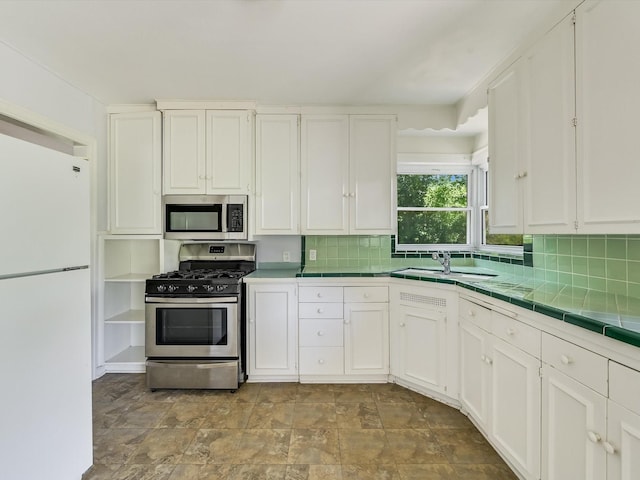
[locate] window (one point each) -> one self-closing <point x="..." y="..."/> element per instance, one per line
<point x="445" y="206"/>
<point x="434" y="208"/>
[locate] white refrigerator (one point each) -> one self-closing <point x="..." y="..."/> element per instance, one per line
<point x="45" y="313"/>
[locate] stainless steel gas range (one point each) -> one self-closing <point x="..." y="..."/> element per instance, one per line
<point x="195" y="318"/>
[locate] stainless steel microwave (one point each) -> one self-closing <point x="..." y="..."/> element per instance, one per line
<point x="205" y="217"/>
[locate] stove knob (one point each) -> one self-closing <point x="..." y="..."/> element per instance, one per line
<point x="220" y="288"/>
<point x="161" y="288"/>
<point x="172" y="288"/>
<point x="191" y="288"/>
<point x="208" y="288"/>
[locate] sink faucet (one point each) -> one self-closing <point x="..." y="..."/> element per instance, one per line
<point x="445" y="261"/>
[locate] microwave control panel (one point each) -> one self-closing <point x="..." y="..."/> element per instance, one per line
<point x="235" y="218"/>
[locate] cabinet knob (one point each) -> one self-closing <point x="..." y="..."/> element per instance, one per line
<point x="593" y="436"/>
<point x="320" y="310"/>
<point x="610" y="449"/>
<point x="320" y="333"/>
<point x="511" y="332"/>
<point x="472" y="313"/>
<point x="566" y="360"/>
<point x="319" y="295"/>
<point x="366" y="295"/>
<point x="321" y="361"/>
<point x="352" y="195"/>
<point x="402" y="324"/>
<point x="483" y="358"/>
<point x="488" y="361"/>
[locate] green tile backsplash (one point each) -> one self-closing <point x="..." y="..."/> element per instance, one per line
<point x="606" y="263"/>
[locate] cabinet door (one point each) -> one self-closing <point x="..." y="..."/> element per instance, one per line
<point x="366" y="339"/>
<point x="135" y="173"/>
<point x="608" y="75"/>
<point x="573" y="426"/>
<point x="623" y="443"/>
<point x="272" y="330"/>
<point x="324" y="159"/>
<point x="548" y="86"/>
<point x="228" y="152"/>
<point x="420" y="347"/>
<point x="474" y="372"/>
<point x="184" y="169"/>
<point x="277" y="197"/>
<point x="505" y="170"/>
<point x="372" y="170"/>
<point x="515" y="406"/>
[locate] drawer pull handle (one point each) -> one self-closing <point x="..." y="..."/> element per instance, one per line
<point x="566" y="360"/>
<point x="321" y="361"/>
<point x="593" y="436"/>
<point x="511" y="332"/>
<point x="320" y="310"/>
<point x="320" y="333"/>
<point x="610" y="449"/>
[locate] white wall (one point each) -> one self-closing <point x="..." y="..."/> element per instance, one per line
<point x="434" y="144"/>
<point x="270" y="248"/>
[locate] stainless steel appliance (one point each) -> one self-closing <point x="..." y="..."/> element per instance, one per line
<point x="205" y="217"/>
<point x="195" y="318"/>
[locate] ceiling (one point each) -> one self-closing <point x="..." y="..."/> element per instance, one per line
<point x="329" y="52"/>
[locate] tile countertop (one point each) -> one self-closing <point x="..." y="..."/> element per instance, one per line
<point x="615" y="316"/>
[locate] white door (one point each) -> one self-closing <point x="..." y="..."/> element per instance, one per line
<point x="324" y="157"/>
<point x="372" y="161"/>
<point x="623" y="443"/>
<point x="474" y="372"/>
<point x="515" y="406"/>
<point x="273" y="334"/>
<point x="505" y="144"/>
<point x="573" y="428"/>
<point x="183" y="156"/>
<point x="548" y="85"/>
<point x="366" y="338"/>
<point x="228" y="152"/>
<point x="135" y="173"/>
<point x="277" y="194"/>
<point x="420" y="347"/>
<point x="608" y="75"/>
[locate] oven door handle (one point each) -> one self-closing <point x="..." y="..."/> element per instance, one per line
<point x="211" y="300"/>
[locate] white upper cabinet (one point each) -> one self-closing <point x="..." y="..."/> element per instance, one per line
<point x="135" y="173"/>
<point x="325" y="174"/>
<point x="608" y="75"/>
<point x="348" y="174"/>
<point x="277" y="192"/>
<point x="562" y="128"/>
<point x="548" y="171"/>
<point x="505" y="144"/>
<point x="207" y="152"/>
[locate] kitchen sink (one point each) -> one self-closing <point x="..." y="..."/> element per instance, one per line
<point x="462" y="276"/>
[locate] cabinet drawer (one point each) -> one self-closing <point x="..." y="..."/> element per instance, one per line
<point x="480" y="316"/>
<point x="585" y="366"/>
<point x="366" y="294"/>
<point x="321" y="361"/>
<point x="518" y="334"/>
<point x="624" y="386"/>
<point x="320" y="294"/>
<point x="321" y="333"/>
<point x="320" y="310"/>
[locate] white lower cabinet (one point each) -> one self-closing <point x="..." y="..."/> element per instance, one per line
<point x="344" y="333"/>
<point x="573" y="425"/>
<point x="423" y="339"/>
<point x="500" y="384"/>
<point x="623" y="443"/>
<point x="273" y="332"/>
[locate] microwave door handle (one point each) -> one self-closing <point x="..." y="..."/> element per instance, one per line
<point x="224" y="227"/>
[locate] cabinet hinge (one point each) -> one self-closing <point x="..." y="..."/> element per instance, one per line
<point x="575" y="225"/>
<point x="574" y="122"/>
<point x="573" y="19"/>
<point x="445" y="388"/>
<point x="540" y="372"/>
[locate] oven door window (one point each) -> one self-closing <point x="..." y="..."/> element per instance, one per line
<point x="194" y="218"/>
<point x="191" y="326"/>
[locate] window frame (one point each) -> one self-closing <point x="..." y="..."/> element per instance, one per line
<point x="426" y="167"/>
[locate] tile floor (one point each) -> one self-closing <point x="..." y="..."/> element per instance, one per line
<point x="283" y="432"/>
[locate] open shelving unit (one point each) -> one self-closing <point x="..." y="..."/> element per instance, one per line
<point x="127" y="261"/>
